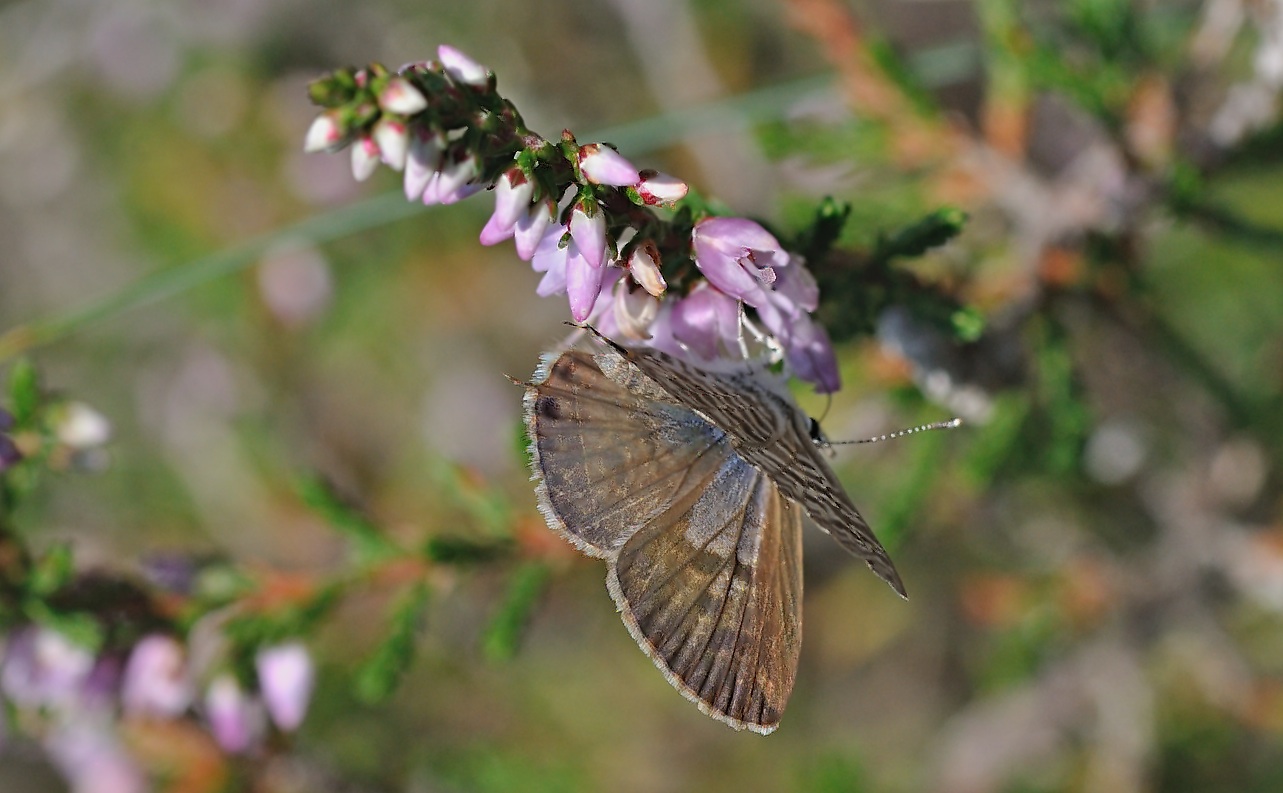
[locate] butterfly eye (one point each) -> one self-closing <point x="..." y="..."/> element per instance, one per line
<point x="817" y="434"/>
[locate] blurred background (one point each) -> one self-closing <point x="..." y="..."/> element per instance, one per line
<point x="1095" y="560"/>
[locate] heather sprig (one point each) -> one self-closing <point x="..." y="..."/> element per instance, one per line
<point x="686" y="281"/>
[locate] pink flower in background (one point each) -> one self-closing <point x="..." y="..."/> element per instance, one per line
<point x="156" y="681"/>
<point x="738" y="257"/>
<point x="42" y="667"/>
<point x="601" y="164"/>
<point x="91" y="759"/>
<point x="285" y="678"/>
<point x="235" y="718"/>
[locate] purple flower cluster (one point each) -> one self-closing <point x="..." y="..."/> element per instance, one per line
<point x="578" y="214"/>
<point x="72" y="700"/>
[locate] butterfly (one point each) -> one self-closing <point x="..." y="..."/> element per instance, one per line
<point x="691" y="483"/>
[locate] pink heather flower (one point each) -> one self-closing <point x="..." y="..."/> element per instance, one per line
<point x="512" y="194"/>
<point x="365" y="158"/>
<point x="462" y="68"/>
<point x="643" y="265"/>
<point x="392" y="136"/>
<point x="156" y="681"/>
<point x="532" y="227"/>
<point x="706" y="320"/>
<point x="325" y="134"/>
<point x="43" y="667"/>
<point x="453" y="182"/>
<point x="660" y="189"/>
<point x="549" y="258"/>
<point x="567" y="270"/>
<point x="738" y="257"/>
<point x="786" y="314"/>
<point x="422" y="160"/>
<point x="91" y="760"/>
<point x="235" y="718"/>
<point x="601" y="164"/>
<point x="101" y="687"/>
<point x="285" y="678"/>
<point x="588" y="228"/>
<point x="402" y="98"/>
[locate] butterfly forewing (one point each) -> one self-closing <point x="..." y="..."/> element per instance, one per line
<point x="704" y="555"/>
<point x="609" y="458"/>
<point x="768" y="430"/>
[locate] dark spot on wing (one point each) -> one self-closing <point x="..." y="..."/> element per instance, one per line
<point x="549" y="408"/>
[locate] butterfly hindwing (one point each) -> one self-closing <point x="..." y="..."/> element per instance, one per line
<point x="713" y="592"/>
<point x="769" y="431"/>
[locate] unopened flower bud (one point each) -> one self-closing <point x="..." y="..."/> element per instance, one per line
<point x="603" y="165"/>
<point x="325" y="134"/>
<point x="392" y="136"/>
<point x="643" y="263"/>
<point x="402" y="98"/>
<point x="365" y="158"/>
<point x="660" y="189"/>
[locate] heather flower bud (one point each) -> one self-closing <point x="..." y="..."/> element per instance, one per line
<point x="603" y="165"/>
<point x="325" y="134"/>
<point x="660" y="189"/>
<point x="402" y="98"/>
<point x="462" y="68"/>
<point x="365" y="158"/>
<point x="392" y="136"/>
<point x="643" y="264"/>
<point x="588" y="228"/>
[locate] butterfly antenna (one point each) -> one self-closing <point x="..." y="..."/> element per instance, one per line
<point x="938" y="425"/>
